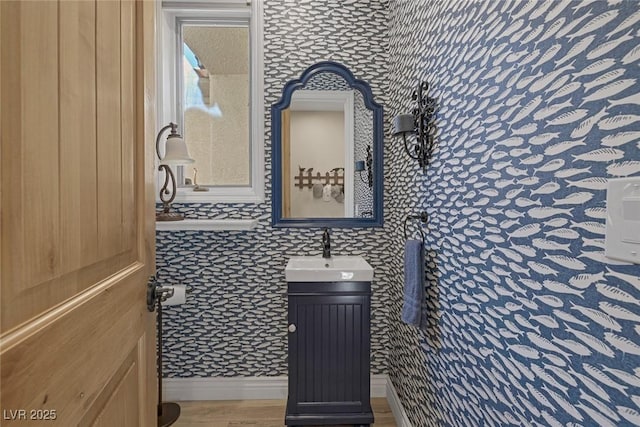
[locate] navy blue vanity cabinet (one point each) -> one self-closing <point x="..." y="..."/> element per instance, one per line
<point x="329" y="347"/>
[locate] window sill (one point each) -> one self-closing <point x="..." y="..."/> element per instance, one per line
<point x="220" y="195"/>
<point x="207" y="225"/>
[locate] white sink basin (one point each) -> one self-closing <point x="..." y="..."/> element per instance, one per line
<point x="334" y="269"/>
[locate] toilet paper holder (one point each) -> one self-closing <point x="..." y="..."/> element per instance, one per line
<point x="157" y="292"/>
<point x="176" y="296"/>
<point x="168" y="412"/>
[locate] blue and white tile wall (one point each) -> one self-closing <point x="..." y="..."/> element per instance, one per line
<point x="539" y="105"/>
<point x="234" y="323"/>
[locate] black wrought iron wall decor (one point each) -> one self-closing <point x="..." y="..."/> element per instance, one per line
<point x="421" y="123"/>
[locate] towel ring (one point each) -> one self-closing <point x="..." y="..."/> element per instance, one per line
<point x="423" y="217"/>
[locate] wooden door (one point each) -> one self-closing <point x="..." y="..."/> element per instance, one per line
<point x="77" y="344"/>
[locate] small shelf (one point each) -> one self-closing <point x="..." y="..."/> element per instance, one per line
<point x="207" y="225"/>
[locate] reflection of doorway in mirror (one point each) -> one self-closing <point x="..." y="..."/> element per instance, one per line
<point x="316" y="141"/>
<point x="317" y="136"/>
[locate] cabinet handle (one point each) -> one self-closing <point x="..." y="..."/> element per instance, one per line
<point x="292" y="328"/>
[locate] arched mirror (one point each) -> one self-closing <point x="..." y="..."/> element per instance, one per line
<point x="327" y="143"/>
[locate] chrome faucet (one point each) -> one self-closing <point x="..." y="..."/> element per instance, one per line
<point x="326" y="244"/>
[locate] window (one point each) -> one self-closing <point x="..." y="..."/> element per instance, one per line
<point x="211" y="85"/>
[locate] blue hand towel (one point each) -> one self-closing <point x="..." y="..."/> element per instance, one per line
<point x="413" y="282"/>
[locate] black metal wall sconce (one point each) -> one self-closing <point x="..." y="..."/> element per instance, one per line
<point x="362" y="165"/>
<point x="419" y="122"/>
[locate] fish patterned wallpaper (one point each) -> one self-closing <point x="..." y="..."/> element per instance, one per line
<point x="538" y="106"/>
<point x="234" y="323"/>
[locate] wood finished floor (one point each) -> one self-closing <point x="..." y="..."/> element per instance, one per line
<point x="255" y="413"/>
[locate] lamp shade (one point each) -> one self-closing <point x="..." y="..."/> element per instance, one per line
<point x="176" y="152"/>
<point x="403" y="123"/>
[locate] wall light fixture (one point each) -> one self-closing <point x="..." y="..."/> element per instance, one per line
<point x="362" y="165"/>
<point x="420" y="123"/>
<point x="175" y="154"/>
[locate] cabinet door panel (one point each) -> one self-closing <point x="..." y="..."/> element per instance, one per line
<point x="326" y="353"/>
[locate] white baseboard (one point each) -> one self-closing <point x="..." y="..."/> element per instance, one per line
<point x="221" y="388"/>
<point x="379" y="385"/>
<point x="242" y="388"/>
<point x="400" y="415"/>
<point x="259" y="388"/>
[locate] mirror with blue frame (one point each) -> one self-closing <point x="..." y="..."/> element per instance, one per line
<point x="327" y="151"/>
